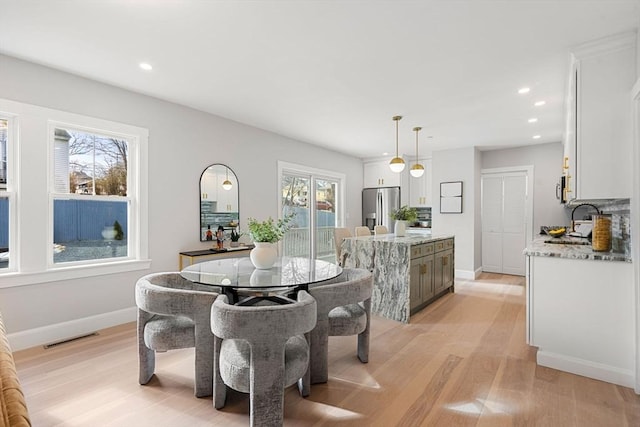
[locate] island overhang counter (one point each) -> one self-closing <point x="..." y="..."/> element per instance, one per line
<point x="409" y="272"/>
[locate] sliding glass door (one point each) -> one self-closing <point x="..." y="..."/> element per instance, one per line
<point x="314" y="198"/>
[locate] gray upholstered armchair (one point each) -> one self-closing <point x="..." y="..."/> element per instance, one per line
<point x="344" y="308"/>
<point x="260" y="350"/>
<point x="175" y="313"/>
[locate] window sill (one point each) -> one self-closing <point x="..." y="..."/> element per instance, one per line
<point x="13" y="279"/>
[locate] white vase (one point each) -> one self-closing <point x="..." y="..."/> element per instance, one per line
<point x="264" y="255"/>
<point x="401" y="227"/>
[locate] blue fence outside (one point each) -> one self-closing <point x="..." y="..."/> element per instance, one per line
<point x="323" y="218"/>
<point x="76" y="220"/>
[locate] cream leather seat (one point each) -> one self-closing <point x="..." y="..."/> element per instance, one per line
<point x="380" y="229"/>
<point x="363" y="231"/>
<point x="339" y="234"/>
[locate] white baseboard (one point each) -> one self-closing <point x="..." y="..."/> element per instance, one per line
<point x="71" y="329"/>
<point x="586" y="368"/>
<point x="468" y="274"/>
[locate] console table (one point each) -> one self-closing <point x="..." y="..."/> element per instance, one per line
<point x="193" y="257"/>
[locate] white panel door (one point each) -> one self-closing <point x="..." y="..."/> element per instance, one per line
<point x="514" y="223"/>
<point x="504" y="197"/>
<point x="492" y="224"/>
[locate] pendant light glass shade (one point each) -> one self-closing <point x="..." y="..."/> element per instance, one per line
<point x="396" y="164"/>
<point x="417" y="170"/>
<point x="226" y="184"/>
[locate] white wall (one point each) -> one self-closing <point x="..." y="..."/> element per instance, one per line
<point x="465" y="165"/>
<point x="547" y="168"/>
<point x="182" y="143"/>
<point x="458" y="165"/>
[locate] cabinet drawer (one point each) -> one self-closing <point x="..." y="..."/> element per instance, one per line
<point x="421" y="250"/>
<point x="444" y="244"/>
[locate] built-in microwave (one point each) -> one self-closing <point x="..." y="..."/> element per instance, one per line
<point x="561" y="193"/>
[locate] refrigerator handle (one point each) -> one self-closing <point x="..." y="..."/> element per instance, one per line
<point x="379" y="208"/>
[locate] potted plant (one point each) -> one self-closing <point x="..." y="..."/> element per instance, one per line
<point x="265" y="234"/>
<point x="235" y="237"/>
<point x="402" y="216"/>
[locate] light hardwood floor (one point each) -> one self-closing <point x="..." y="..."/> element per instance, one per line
<point x="462" y="361"/>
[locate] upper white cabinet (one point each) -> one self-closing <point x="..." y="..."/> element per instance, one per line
<point x="420" y="189"/>
<point x="378" y="174"/>
<point x="598" y="138"/>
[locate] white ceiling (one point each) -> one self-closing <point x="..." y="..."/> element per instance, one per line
<point x="332" y="73"/>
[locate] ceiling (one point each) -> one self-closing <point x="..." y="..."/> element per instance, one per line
<point x="332" y="73"/>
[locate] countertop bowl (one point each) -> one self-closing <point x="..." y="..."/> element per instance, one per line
<point x="548" y="231"/>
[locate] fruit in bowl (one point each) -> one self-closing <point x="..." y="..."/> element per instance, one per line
<point x="557" y="232"/>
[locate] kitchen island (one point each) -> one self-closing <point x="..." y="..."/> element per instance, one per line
<point x="408" y="272"/>
<point x="580" y="311"/>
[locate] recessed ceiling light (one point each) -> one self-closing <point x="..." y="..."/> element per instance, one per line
<point x="523" y="90"/>
<point x="532" y="120"/>
<point x="540" y="103"/>
<point x="536" y="137"/>
<point x="385" y="154"/>
<point x="145" y="66"/>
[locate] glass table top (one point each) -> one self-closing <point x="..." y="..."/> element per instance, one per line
<point x="240" y="273"/>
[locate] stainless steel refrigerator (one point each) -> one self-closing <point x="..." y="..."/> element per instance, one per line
<point x="377" y="204"/>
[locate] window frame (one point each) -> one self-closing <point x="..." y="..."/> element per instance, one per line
<point x="37" y="124"/>
<point x="132" y="188"/>
<point x="10" y="191"/>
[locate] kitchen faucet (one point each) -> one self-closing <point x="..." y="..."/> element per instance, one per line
<point x="573" y="224"/>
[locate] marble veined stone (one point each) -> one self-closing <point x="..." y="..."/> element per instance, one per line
<point x="388" y="258"/>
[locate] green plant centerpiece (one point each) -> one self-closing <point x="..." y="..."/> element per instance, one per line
<point x="265" y="234"/>
<point x="269" y="230"/>
<point x="405" y="213"/>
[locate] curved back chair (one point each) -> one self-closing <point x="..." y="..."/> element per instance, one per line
<point x="363" y="231"/>
<point x="339" y="234"/>
<point x="344" y="308"/>
<point x="260" y="350"/>
<point x="175" y="313"/>
<point x="380" y="229"/>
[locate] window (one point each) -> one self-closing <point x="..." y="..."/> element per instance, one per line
<point x="78" y="186"/>
<point x="4" y="194"/>
<point x="90" y="197"/>
<point x="316" y="199"/>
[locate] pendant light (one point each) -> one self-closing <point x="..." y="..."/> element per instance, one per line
<point x="396" y="164"/>
<point x="226" y="184"/>
<point x="417" y="170"/>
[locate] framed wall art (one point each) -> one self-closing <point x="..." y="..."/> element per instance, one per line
<point x="451" y="197"/>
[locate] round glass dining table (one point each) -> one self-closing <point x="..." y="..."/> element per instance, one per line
<point x="237" y="277"/>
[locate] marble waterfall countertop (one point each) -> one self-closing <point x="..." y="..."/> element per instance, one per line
<point x="570" y="247"/>
<point x="388" y="257"/>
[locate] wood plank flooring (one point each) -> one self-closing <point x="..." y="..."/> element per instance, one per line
<point x="462" y="361"/>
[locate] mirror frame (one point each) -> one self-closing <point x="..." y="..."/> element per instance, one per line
<point x="202" y="224"/>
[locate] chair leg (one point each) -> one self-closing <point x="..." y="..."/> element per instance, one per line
<point x="304" y="383"/>
<point x="146" y="356"/>
<point x="204" y="363"/>
<point x="319" y="353"/>
<point x="363" y="337"/>
<point x="219" y="387"/>
<point x="363" y="346"/>
<point x="267" y="387"/>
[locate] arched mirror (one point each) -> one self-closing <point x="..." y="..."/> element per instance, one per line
<point x="219" y="200"/>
